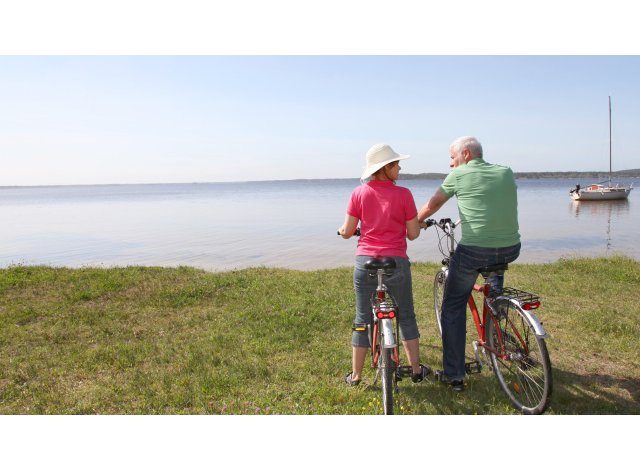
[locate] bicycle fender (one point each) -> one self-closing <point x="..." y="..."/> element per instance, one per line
<point x="388" y="338"/>
<point x="533" y="319"/>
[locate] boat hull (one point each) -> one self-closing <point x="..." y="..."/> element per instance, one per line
<point x="603" y="194"/>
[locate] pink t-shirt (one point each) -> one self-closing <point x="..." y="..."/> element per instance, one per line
<point x="383" y="210"/>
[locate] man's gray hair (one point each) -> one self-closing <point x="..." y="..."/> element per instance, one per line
<point x="468" y="142"/>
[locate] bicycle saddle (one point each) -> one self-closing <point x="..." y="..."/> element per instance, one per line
<point x="380" y="263"/>
<point x="494" y="268"/>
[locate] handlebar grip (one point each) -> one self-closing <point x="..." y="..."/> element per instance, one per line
<point x="356" y="233"/>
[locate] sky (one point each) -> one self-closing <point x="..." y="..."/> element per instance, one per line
<point x="160" y="119"/>
<point x="148" y="108"/>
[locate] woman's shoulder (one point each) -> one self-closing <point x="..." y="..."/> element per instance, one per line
<point x="358" y="189"/>
<point x="403" y="190"/>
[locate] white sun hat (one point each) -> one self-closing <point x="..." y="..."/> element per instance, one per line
<point x="378" y="156"/>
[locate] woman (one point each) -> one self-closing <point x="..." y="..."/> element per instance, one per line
<point x="388" y="216"/>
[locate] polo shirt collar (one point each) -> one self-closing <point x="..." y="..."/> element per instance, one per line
<point x="380" y="183"/>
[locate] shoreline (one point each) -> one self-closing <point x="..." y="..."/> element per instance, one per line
<point x="418" y="264"/>
<point x="543" y="175"/>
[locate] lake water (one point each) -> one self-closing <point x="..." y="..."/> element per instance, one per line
<point x="291" y="224"/>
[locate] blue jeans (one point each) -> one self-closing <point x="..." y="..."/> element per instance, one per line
<point x="398" y="285"/>
<point x="463" y="272"/>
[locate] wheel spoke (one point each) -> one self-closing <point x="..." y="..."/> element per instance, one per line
<point x="524" y="371"/>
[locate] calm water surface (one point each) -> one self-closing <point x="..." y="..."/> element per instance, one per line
<point x="291" y="224"/>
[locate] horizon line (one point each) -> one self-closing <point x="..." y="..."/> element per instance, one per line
<point x="410" y="175"/>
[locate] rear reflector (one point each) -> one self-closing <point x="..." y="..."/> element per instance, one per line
<point x="530" y="305"/>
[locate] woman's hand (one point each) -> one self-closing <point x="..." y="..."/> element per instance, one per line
<point x="348" y="227"/>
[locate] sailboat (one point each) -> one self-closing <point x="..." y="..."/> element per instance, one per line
<point x="600" y="191"/>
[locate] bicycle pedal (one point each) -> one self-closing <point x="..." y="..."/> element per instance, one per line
<point x="473" y="367"/>
<point x="404" y="371"/>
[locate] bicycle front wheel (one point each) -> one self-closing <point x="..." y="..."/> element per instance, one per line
<point x="521" y="361"/>
<point x="438" y="296"/>
<point x="386" y="370"/>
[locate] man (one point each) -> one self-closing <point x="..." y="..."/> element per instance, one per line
<point x="488" y="209"/>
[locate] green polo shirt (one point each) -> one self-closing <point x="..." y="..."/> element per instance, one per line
<point x="487" y="203"/>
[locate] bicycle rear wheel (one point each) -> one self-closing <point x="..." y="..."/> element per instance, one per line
<point x="523" y="366"/>
<point x="438" y="295"/>
<point x="387" y="372"/>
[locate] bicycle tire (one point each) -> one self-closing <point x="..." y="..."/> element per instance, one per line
<point x="525" y="375"/>
<point x="438" y="295"/>
<point x="387" y="372"/>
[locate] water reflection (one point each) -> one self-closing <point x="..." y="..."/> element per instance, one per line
<point x="600" y="214"/>
<point x="599" y="208"/>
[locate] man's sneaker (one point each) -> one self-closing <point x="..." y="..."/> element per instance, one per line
<point x="456" y="385"/>
<point x="420" y="376"/>
<point x="350" y="381"/>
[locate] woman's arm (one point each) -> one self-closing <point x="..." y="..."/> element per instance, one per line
<point x="413" y="228"/>
<point x="349" y="226"/>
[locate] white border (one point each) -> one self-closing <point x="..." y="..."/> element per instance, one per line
<point x="317" y="27"/>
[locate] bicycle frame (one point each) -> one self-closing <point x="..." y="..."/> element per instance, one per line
<point x="480" y="321"/>
<point x="384" y="313"/>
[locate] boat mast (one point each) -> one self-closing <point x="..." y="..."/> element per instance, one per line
<point x="609" y="141"/>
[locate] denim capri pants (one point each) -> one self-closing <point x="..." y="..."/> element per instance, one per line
<point x="398" y="285"/>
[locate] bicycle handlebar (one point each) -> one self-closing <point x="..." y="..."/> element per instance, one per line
<point x="429" y="222"/>
<point x="442" y="223"/>
<point x="447" y="227"/>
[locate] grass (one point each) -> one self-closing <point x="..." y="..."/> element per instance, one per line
<point x="145" y="340"/>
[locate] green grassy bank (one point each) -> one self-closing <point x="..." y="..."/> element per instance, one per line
<point x="274" y="341"/>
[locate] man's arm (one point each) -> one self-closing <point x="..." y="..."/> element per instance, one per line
<point x="432" y="206"/>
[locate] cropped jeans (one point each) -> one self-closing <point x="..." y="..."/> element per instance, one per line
<point x="463" y="272"/>
<point x="398" y="285"/>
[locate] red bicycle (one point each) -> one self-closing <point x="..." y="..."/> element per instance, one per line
<point x="509" y="332"/>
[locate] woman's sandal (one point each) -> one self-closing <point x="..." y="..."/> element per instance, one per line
<point x="350" y="381"/>
<point x="424" y="373"/>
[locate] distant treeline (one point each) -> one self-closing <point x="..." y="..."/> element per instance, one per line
<point x="539" y="174"/>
